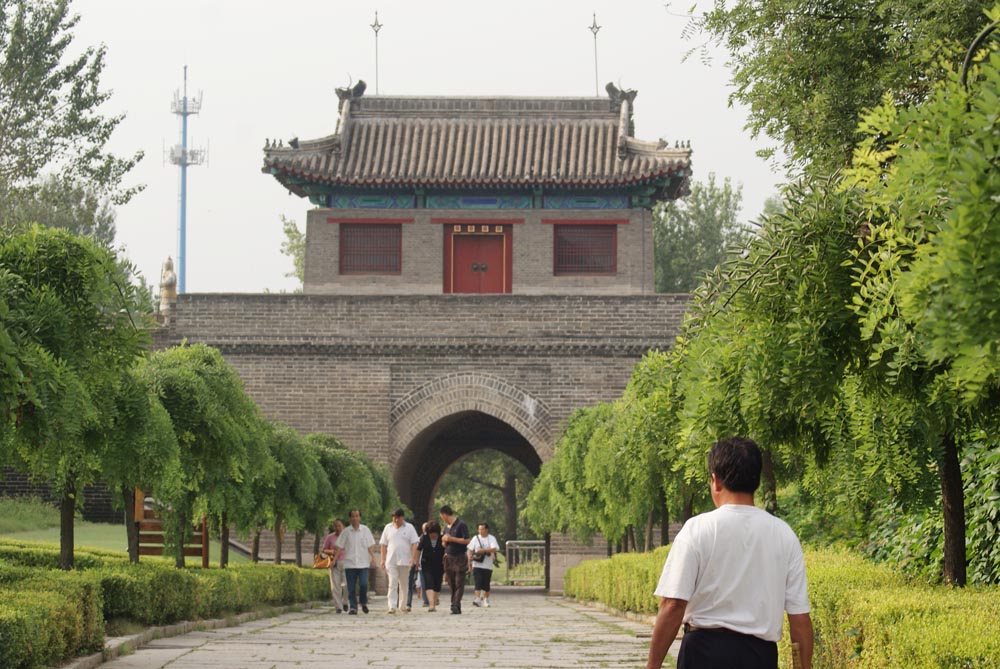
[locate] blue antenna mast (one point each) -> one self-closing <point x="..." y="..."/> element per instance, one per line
<point x="180" y="155"/>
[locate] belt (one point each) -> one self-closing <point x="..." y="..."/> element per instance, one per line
<point x="688" y="627"/>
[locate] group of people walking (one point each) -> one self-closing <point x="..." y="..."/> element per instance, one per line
<point x="443" y="552"/>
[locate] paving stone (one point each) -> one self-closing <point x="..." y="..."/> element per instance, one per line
<point x="523" y="629"/>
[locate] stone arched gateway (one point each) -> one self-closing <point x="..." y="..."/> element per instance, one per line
<point x="413" y="380"/>
<point x="456" y="414"/>
<point x="475" y="270"/>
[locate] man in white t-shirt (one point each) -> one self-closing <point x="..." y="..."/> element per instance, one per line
<point x="731" y="575"/>
<point x="358" y="544"/>
<point x="399" y="552"/>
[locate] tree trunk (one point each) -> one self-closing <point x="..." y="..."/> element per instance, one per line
<point x="255" y="546"/>
<point x="633" y="544"/>
<point x="131" y="525"/>
<point x="224" y="541"/>
<point x="510" y="504"/>
<point x="316" y="542"/>
<point x="649" y="531"/>
<point x="953" y="503"/>
<point x="300" y="535"/>
<point x="664" y="524"/>
<point x="67" y="511"/>
<point x="183" y="527"/>
<point x="769" y="487"/>
<point x="277" y="538"/>
<point x="688" y="508"/>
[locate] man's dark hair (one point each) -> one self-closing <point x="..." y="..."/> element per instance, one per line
<point x="398" y="513"/>
<point x="736" y="463"/>
<point x="446" y="510"/>
<point x="486" y="525"/>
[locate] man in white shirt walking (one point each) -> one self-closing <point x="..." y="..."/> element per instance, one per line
<point x="730" y="576"/>
<point x="398" y="545"/>
<point x="359" y="554"/>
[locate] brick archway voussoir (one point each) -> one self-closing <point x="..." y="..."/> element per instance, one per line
<point x="457" y="393"/>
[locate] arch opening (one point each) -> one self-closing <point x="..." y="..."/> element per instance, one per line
<point x="426" y="459"/>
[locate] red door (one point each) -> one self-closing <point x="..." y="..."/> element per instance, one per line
<point x="478" y="264"/>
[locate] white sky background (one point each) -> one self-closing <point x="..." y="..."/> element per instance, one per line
<point x="269" y="69"/>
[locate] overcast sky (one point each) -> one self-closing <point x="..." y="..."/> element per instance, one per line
<point x="269" y="70"/>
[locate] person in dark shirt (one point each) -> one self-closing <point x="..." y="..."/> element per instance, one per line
<point x="456" y="560"/>
<point x="432" y="563"/>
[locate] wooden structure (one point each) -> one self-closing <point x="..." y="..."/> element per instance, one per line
<point x="152" y="536"/>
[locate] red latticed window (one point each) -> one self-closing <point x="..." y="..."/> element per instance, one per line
<point x="586" y="249"/>
<point x="370" y="249"/>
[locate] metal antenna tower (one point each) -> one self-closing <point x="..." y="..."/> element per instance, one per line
<point x="184" y="106"/>
<point x="594" y="28"/>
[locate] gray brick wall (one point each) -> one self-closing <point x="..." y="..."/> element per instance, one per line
<point x="423" y="253"/>
<point x="389" y="375"/>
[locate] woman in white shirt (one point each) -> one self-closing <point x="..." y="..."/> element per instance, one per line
<point x="482" y="548"/>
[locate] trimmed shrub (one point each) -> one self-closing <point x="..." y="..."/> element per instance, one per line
<point x="865" y="615"/>
<point x="48" y="615"/>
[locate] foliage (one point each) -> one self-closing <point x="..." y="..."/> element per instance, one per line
<point x="864" y="615"/>
<point x="693" y="235"/>
<point x="562" y="499"/>
<point x="806" y="70"/>
<point x="218" y="428"/>
<point x="50" y="102"/>
<point x="58" y="203"/>
<point x="75" y="322"/>
<point x="910" y="538"/>
<point x="350" y="477"/>
<point x="294" y="247"/>
<point x="488" y="486"/>
<point x="48" y="616"/>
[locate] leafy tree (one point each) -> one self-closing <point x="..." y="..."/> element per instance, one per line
<point x="927" y="175"/>
<point x="806" y="69"/>
<point x="693" y="235"/>
<point x="218" y="430"/>
<point x="294" y="247"/>
<point x="140" y="446"/>
<point x="59" y="204"/>
<point x="488" y="486"/>
<point x="75" y="323"/>
<point x="296" y="488"/>
<point x="50" y="102"/>
<point x="350" y="476"/>
<point x="563" y="499"/>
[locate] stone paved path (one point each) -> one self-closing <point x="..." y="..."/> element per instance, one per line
<point x="522" y="629"/>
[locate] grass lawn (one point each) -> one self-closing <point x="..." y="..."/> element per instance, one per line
<point x="17" y="516"/>
<point x="108" y="537"/>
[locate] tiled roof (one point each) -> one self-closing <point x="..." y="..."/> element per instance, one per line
<point x="479" y="142"/>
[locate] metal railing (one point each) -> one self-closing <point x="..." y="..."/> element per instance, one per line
<point x="525" y="562"/>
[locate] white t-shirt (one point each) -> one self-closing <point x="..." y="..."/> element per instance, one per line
<point x="737" y="567"/>
<point x="356" y="543"/>
<point x="479" y="543"/>
<point x="399" y="543"/>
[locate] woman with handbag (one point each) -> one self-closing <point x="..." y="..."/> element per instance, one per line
<point x="482" y="548"/>
<point x="336" y="556"/>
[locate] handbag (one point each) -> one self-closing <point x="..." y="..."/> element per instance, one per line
<point x="321" y="561"/>
<point x="479" y="557"/>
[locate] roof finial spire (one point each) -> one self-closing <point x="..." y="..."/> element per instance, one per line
<point x="376" y="27"/>
<point x="594" y="28"/>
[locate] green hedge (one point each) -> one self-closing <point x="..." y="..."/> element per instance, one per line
<point x="47" y="615"/>
<point x="865" y="615"/>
